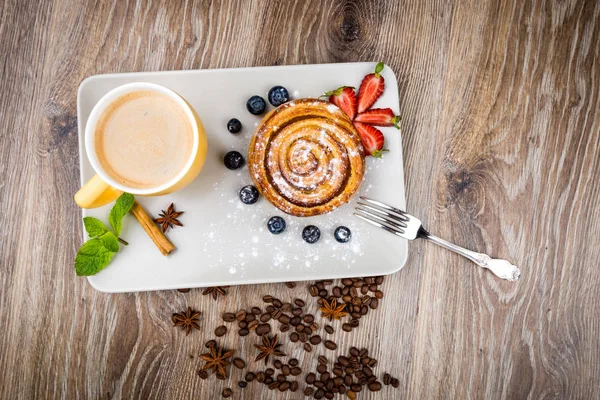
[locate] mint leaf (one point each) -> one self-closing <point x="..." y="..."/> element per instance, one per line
<point x="92" y="257"/>
<point x="121" y="207"/>
<point x="109" y="240"/>
<point x="94" y="227"/>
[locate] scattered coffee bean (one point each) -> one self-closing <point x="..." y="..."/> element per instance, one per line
<point x="371" y="378"/>
<point x="276" y="314"/>
<point x="296" y="321"/>
<point x="314" y="326"/>
<point x="228" y="317"/>
<point x="253" y="325"/>
<point x="203" y="374"/>
<point x="274" y="385"/>
<point x="277" y="303"/>
<point x="268" y="380"/>
<point x="243" y="332"/>
<point x="250" y="376"/>
<point x="239" y="363"/>
<point x="395" y="382"/>
<point x="210" y="343"/>
<point x="307" y="347"/>
<point x="310" y="378"/>
<point x="285" y="385"/>
<point x="314" y="340"/>
<point x="294" y="386"/>
<point x="284" y="319"/>
<point x="329" y="329"/>
<point x="242" y="384"/>
<point x="308" y="391"/>
<point x="322" y="360"/>
<point x="286" y="307"/>
<point x="280" y="378"/>
<point x="286" y="370"/>
<point x="293" y="362"/>
<point x="260" y="377"/>
<point x="265" y="317"/>
<point x="300" y="328"/>
<point x="226" y="392"/>
<point x="308" y="318"/>
<point x="243" y="324"/>
<point x="291" y="285"/>
<point x="269" y="372"/>
<point x="347" y="327"/>
<point x="263" y="329"/>
<point x="354" y="352"/>
<point x="250" y="318"/>
<point x="330" y="345"/>
<point x="303" y="337"/>
<point x="299" y="302"/>
<point x="277" y="364"/>
<point x="356" y="387"/>
<point x="329" y="395"/>
<point x="374" y="304"/>
<point x="295" y="371"/>
<point x="284" y="328"/>
<point x="386" y="379"/>
<point x="294" y="337"/>
<point x="240" y="315"/>
<point x="351" y="395"/>
<point x="338" y="372"/>
<point x="348" y="380"/>
<point x="354" y="323"/>
<point x="363" y="353"/>
<point x="319" y="394"/>
<point x="314" y="291"/>
<point x="221" y="330"/>
<point x="321" y="368"/>
<point x="297" y="311"/>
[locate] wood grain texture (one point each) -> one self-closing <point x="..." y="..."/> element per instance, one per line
<point x="501" y="129"/>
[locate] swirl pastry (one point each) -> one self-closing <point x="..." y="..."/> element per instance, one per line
<point x="306" y="157"/>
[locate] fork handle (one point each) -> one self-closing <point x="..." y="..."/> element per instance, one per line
<point x="501" y="268"/>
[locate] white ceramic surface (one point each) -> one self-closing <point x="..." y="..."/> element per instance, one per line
<point x="225" y="242"/>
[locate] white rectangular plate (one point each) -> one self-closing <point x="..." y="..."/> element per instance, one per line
<point x="225" y="242"/>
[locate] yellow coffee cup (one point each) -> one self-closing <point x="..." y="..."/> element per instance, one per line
<point x="102" y="188"/>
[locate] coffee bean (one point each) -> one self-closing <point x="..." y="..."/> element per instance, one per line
<point x="347" y="328"/>
<point x="277" y="314"/>
<point x="239" y="363"/>
<point x="338" y="381"/>
<point x="268" y="299"/>
<point x="310" y="378"/>
<point x="373" y="287"/>
<point x="342" y="389"/>
<point x="379" y="294"/>
<point x="293" y="362"/>
<point x="365" y="361"/>
<point x="250" y="318"/>
<point x="253" y="325"/>
<point x="277" y="364"/>
<point x="297" y="311"/>
<point x="286" y="307"/>
<point x="367" y="302"/>
<point x="357" y="301"/>
<point x="300" y="328"/>
<point x="307" y="347"/>
<point x="338" y="372"/>
<point x="269" y="372"/>
<point x="286" y="370"/>
<point x="280" y="378"/>
<point x="256" y="310"/>
<point x="243" y="332"/>
<point x="314" y="326"/>
<point x="329" y="395"/>
<point x="356" y="315"/>
<point x="263" y="329"/>
<point x="294" y="337"/>
<point x="228" y="317"/>
<point x="323" y="293"/>
<point x="353" y="292"/>
<point x="357" y="284"/>
<point x="359" y="374"/>
<point x="374" y="304"/>
<point x="343" y="361"/>
<point x="274" y="385"/>
<point x="395" y="382"/>
<point x="363" y="353"/>
<point x="329" y="329"/>
<point x="322" y="360"/>
<point x="250" y="376"/>
<point x="284" y="386"/>
<point x="284" y="328"/>
<point x="270" y="309"/>
<point x="354" y="322"/>
<point x="351" y="395"/>
<point x="374" y="386"/>
<point x="260" y="377"/>
<point x="349" y="370"/>
<point x="295" y="321"/>
<point x="314" y="291"/>
<point x="277" y="303"/>
<point x="320" y="301"/>
<point x="299" y="302"/>
<point x="291" y="285"/>
<point x="321" y="368"/>
<point x="242" y="384"/>
<point x="348" y="380"/>
<point x="240" y="315"/>
<point x="314" y="340"/>
<point x="330" y="345"/>
<point x="221" y="330"/>
<point x="379" y="280"/>
<point x="319" y="394"/>
<point x="336" y="292"/>
<point x="308" y="318"/>
<point x="320" y="285"/>
<point x="372" y="363"/>
<point x="294" y="386"/>
<point x="386" y="378"/>
<point x="362" y="381"/>
<point x="364" y="310"/>
<point x="354" y="351"/>
<point x="268" y="380"/>
<point x="356" y="388"/>
<point x="265" y="317"/>
<point x="303" y="337"/>
<point x="364" y="289"/>
<point x="243" y="324"/>
<point x="308" y="391"/>
<point x="329" y="385"/>
<point x="347" y="298"/>
<point x="210" y="343"/>
<point x="295" y="371"/>
<point x="202" y="374"/>
<point x="227" y="393"/>
<point x="284" y="319"/>
<point x="371" y="378"/>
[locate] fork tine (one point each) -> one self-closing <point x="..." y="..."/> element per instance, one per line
<point x="392" y="223"/>
<point x="383" y="205"/>
<point x="398" y="220"/>
<point x="372" y="222"/>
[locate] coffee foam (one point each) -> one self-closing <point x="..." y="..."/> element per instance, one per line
<point x="143" y="139"/>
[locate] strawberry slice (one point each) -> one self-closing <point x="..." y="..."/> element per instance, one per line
<point x="370" y="89"/>
<point x="345" y="98"/>
<point x="371" y="138"/>
<point x="379" y="117"/>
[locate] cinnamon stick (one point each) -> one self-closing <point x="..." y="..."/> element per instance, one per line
<point x="159" y="239"/>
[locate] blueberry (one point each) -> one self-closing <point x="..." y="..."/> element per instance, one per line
<point x="278" y="95"/>
<point x="276" y="225"/>
<point x="342" y="234"/>
<point x="256" y="105"/>
<point x="311" y="234"/>
<point x="233" y="160"/>
<point x="249" y="194"/>
<point x="234" y="125"/>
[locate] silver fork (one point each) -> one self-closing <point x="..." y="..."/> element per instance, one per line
<point x="406" y="226"/>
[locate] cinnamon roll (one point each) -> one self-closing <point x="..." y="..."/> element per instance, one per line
<point x="306" y="157"/>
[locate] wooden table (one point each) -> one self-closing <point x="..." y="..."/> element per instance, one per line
<point x="501" y="131"/>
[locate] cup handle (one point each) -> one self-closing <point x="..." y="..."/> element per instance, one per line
<point x="96" y="193"/>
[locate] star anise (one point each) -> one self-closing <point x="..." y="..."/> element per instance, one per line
<point x="215" y="291"/>
<point x="331" y="310"/>
<point x="168" y="218"/>
<point x="217" y="361"/>
<point x="269" y="347"/>
<point x="187" y="320"/>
